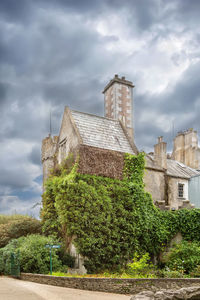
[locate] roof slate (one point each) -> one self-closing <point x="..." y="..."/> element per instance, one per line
<point x="174" y="168"/>
<point x="101" y="132"/>
<point x="177" y="169"/>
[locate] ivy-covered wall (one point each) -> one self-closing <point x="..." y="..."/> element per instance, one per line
<point x="111" y="218"/>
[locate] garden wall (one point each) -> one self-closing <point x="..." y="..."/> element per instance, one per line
<point x="112" y="285"/>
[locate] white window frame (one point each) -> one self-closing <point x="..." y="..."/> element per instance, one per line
<point x="181" y="192"/>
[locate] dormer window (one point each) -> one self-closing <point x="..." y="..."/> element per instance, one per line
<point x="180" y="190"/>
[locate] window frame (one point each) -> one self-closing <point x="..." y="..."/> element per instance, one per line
<point x="181" y="191"/>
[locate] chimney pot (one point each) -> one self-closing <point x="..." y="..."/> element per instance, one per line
<point x="160" y="139"/>
<point x="123" y="77"/>
<point x="116" y="75"/>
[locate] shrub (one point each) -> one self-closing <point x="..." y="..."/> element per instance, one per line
<point x="13" y="227"/>
<point x="183" y="257"/>
<point x="166" y="273"/>
<point x="140" y="266"/>
<point x="66" y="258"/>
<point x="34" y="257"/>
<point x="195" y="272"/>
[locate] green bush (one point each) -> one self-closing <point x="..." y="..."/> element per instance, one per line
<point x="66" y="258"/>
<point x="141" y="266"/>
<point x="13" y="227"/>
<point x="167" y="273"/>
<point x="183" y="257"/>
<point x="195" y="272"/>
<point x="34" y="257"/>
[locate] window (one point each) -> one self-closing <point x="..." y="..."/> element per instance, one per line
<point x="180" y="190"/>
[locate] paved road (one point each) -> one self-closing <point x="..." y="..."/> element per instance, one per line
<point x="14" y="289"/>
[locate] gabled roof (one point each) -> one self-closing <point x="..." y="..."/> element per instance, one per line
<point x="177" y="169"/>
<point x="102" y="132"/>
<point x="174" y="168"/>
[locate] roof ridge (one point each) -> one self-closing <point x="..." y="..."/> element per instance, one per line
<point x="93" y="115"/>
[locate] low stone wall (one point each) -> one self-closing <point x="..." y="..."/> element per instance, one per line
<point x="113" y="285"/>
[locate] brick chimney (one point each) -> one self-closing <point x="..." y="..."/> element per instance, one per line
<point x="118" y="102"/>
<point x="160" y="153"/>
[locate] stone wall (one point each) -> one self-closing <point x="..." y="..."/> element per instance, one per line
<point x="68" y="137"/>
<point x="155" y="184"/>
<point x="101" y="162"/>
<point x="113" y="285"/>
<point x="49" y="150"/>
<point x="173" y="199"/>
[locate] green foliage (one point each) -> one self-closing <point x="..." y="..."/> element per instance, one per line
<point x="183" y="257"/>
<point x="167" y="273"/>
<point x="134" y="168"/>
<point x="4" y="219"/>
<point x="34" y="257"/>
<point x="49" y="216"/>
<point x="189" y="224"/>
<point x="140" y="266"/>
<point x="66" y="258"/>
<point x="195" y="272"/>
<point x="12" y="227"/>
<point x="111" y="219"/>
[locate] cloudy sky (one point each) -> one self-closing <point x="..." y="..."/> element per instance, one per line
<point x="55" y="53"/>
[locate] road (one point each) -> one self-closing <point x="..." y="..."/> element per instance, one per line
<point x="14" y="289"/>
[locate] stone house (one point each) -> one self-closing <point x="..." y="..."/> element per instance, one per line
<point x="102" y="141"/>
<point x="168" y="180"/>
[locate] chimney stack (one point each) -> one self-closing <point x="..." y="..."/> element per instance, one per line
<point x="160" y="153"/>
<point x="186" y="148"/>
<point x="118" y="102"/>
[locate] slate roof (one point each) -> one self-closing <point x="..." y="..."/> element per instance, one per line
<point x="177" y="169"/>
<point x="102" y="132"/>
<point x="174" y="168"/>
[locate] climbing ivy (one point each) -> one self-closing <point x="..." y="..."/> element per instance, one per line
<point x="111" y="219"/>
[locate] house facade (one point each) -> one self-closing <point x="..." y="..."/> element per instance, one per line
<point x="101" y="143"/>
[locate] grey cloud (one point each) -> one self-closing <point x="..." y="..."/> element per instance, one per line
<point x="3" y="92"/>
<point x="35" y="155"/>
<point x="14" y="178"/>
<point x="14" y="205"/>
<point x="16" y="11"/>
<point x="182" y="103"/>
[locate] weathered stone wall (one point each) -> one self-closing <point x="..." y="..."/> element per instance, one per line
<point x="101" y="162"/>
<point x="68" y="137"/>
<point x="186" y="148"/>
<point x="49" y="152"/>
<point x="155" y="184"/>
<point x="113" y="285"/>
<point x="173" y="199"/>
